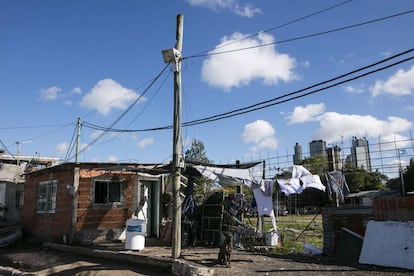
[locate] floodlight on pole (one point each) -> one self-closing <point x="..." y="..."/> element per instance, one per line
<point x="172" y="56"/>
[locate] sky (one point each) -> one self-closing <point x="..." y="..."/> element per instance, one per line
<point x="101" y="61"/>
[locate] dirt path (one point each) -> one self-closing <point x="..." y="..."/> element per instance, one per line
<point x="38" y="260"/>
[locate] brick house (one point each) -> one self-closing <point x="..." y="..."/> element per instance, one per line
<point x="90" y="202"/>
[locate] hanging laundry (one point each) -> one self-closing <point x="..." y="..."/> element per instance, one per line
<point x="264" y="198"/>
<point x="263" y="194"/>
<point x="299" y="171"/>
<point x="290" y="186"/>
<point x="312" y="181"/>
<point x="337" y="185"/>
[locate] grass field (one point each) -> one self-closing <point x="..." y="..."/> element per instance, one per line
<point x="294" y="231"/>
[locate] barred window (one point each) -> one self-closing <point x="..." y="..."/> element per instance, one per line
<point x="108" y="191"/>
<point x="46" y="196"/>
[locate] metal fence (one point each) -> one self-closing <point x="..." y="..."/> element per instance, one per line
<point x="386" y="157"/>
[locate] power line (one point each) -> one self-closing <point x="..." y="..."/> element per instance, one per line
<point x="303" y="95"/>
<point x="276" y="27"/>
<point x="71" y="143"/>
<point x="123" y="113"/>
<point x="305" y="36"/>
<point x="277" y="100"/>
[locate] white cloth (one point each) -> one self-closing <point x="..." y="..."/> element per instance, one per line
<point x="299" y="171"/>
<point x="312" y="181"/>
<point x="290" y="186"/>
<point x="226" y="176"/>
<point x="260" y="223"/>
<point x="263" y="199"/>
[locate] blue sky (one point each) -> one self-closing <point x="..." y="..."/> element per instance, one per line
<point x="60" y="60"/>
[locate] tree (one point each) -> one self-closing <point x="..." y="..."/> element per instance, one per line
<point x="197" y="152"/>
<point x="360" y="180"/>
<point x="317" y="164"/>
<point x="408" y="176"/>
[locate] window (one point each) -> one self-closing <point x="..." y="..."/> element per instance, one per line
<point x="46" y="196"/>
<point x="19" y="199"/>
<point x="108" y="191"/>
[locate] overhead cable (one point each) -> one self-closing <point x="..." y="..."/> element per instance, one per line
<point x="278" y="100"/>
<point x="123" y="113"/>
<point x="211" y="53"/>
<point x="276" y="27"/>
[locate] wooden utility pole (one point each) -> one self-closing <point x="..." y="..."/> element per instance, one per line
<point x="178" y="162"/>
<point x="78" y="140"/>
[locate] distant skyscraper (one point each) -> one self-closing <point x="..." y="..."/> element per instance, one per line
<point x="360" y="156"/>
<point x="334" y="158"/>
<point x="317" y="147"/>
<point x="297" y="157"/>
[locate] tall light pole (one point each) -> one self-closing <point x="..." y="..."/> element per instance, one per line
<point x="174" y="57"/>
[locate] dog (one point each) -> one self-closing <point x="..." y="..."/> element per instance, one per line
<point x="226" y="248"/>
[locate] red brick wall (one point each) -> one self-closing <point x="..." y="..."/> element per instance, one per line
<point x="394" y="208"/>
<point x="103" y="216"/>
<point x="50" y="226"/>
<point x="93" y="221"/>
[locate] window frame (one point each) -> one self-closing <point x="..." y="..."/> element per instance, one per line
<point x="46" y="196"/>
<point x="109" y="185"/>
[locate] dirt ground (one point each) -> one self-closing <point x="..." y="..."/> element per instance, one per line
<point x="26" y="259"/>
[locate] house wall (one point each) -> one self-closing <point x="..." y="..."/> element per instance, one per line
<point x="48" y="226"/>
<point x="97" y="222"/>
<point x="11" y="211"/>
<point x="76" y="217"/>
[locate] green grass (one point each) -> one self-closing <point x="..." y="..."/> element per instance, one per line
<point x="294" y="231"/>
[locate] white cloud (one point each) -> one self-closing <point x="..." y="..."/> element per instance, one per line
<point x="394" y="141"/>
<point x="386" y="53"/>
<point x="50" y="94"/>
<point x="354" y="89"/>
<point x="247" y="10"/>
<point x="96" y="134"/>
<point x="306" y="64"/>
<point x="261" y="133"/>
<point x="62" y="148"/>
<point x="241" y="67"/>
<point x="108" y="94"/>
<point x="333" y="124"/>
<point x="76" y="90"/>
<point x="142" y="144"/>
<point x="400" y="84"/>
<point x="309" y="113"/>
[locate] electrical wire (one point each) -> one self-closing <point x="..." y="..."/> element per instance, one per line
<point x="276" y="27"/>
<point x="306" y="88"/>
<point x="6" y="149"/>
<point x="277" y="100"/>
<point x="303" y="95"/>
<point x="71" y="144"/>
<point x="123" y="113"/>
<point x="142" y="110"/>
<point x="304" y="36"/>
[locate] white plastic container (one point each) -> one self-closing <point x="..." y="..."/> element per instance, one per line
<point x="272" y="238"/>
<point x="135" y="234"/>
